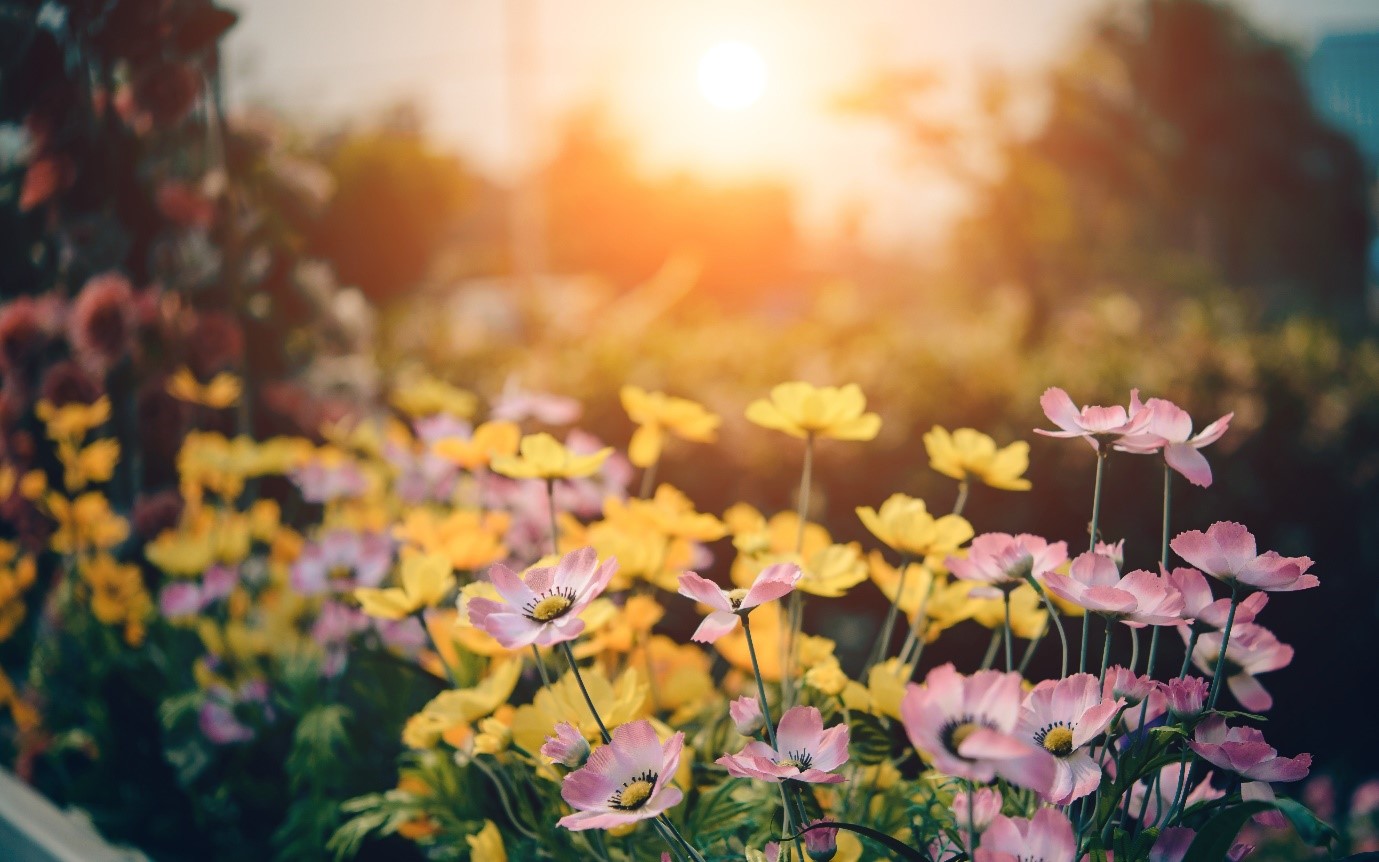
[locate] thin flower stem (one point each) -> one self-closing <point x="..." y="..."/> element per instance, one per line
<point x="1091" y="543"/>
<point x="883" y="643"/>
<point x="540" y="666"/>
<point x="1225" y="642"/>
<point x="1168" y="497"/>
<point x="500" y="784"/>
<point x="649" y="479"/>
<point x="596" y="839"/>
<point x="555" y="529"/>
<point x="796" y="606"/>
<point x="761" y="687"/>
<point x="1010" y="653"/>
<point x="961" y="502"/>
<point x="1134" y="648"/>
<point x="806" y="476"/>
<point x="431" y="639"/>
<point x="1191" y="648"/>
<point x="574" y="668"/>
<point x="675" y="834"/>
<point x="1106" y="650"/>
<point x="971" y="818"/>
<point x="991" y="648"/>
<point x="663" y="829"/>
<point x="1057" y="624"/>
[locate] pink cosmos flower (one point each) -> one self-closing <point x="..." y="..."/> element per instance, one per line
<point x="746" y="715"/>
<point x="1173" y="843"/>
<point x="1139" y="599"/>
<point x="1004" y="561"/>
<point x="542" y="607"/>
<point x="1253" y="650"/>
<point x="1163" y="791"/>
<point x="1063" y="717"/>
<point x="1141" y="694"/>
<point x="627" y="780"/>
<point x="341" y="560"/>
<point x="1187" y="696"/>
<point x="1096" y="425"/>
<point x="568" y="747"/>
<point x="217" y="722"/>
<point x="516" y="404"/>
<point x="320" y="482"/>
<point x="421" y="477"/>
<point x="986" y="804"/>
<point x="1226" y="551"/>
<point x="1045" y="837"/>
<point x="806" y="752"/>
<point x="821" y="843"/>
<point x="1205" y="612"/>
<point x="967" y="728"/>
<point x="1243" y="751"/>
<point x="1170" y="431"/>
<point x="772" y="583"/>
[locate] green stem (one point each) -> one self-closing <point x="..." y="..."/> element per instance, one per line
<point x="1091" y="543"/>
<point x="961" y="502"/>
<point x="1106" y="649"/>
<point x="1191" y="647"/>
<point x="1134" y="648"/>
<point x="675" y="834"/>
<point x="761" y="687"/>
<point x="540" y="666"/>
<point x="883" y="643"/>
<point x="1225" y="642"/>
<point x="991" y="648"/>
<point x="649" y="479"/>
<point x="971" y="819"/>
<point x="440" y="656"/>
<point x="1010" y="652"/>
<point x="555" y="529"/>
<point x="574" y="668"/>
<point x="1057" y="624"/>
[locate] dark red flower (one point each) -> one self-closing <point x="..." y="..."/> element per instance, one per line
<point x="67" y="383"/>
<point x="216" y="343"/>
<point x="101" y="325"/>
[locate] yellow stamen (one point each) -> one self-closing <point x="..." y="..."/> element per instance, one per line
<point x="1059" y="741"/>
<point x="549" y="608"/>
<point x="736" y="597"/>
<point x="961" y="732"/>
<point x="635" y="794"/>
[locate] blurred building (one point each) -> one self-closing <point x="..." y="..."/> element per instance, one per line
<point x="1343" y="75"/>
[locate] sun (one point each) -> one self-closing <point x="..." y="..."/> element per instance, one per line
<point x="732" y="75"/>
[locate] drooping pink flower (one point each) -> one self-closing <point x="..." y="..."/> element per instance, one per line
<point x="1138" y="599"/>
<point x="1226" y="551"/>
<point x="1170" y="431"/>
<point x="340" y="560"/>
<point x="1142" y="694"/>
<point x="1099" y="426"/>
<point x="1253" y="650"/>
<point x="1004" y="561"/>
<point x="1063" y="717"/>
<point x="821" y="842"/>
<point x="568" y="747"/>
<point x="542" y="607"/>
<point x="1045" y="837"/>
<point x="1161" y="793"/>
<point x="772" y="583"/>
<point x="746" y="715"/>
<point x="627" y="780"/>
<point x="1187" y="696"/>
<point x="1205" y="612"/>
<point x="1243" y="751"/>
<point x="967" y="728"/>
<point x="985" y="805"/>
<point x="805" y="751"/>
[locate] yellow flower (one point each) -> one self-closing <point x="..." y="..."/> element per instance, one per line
<point x="426" y="580"/>
<point x="462" y="706"/>
<point x="827" y="677"/>
<point x="802" y="410"/>
<point x="970" y="453"/>
<point x="33" y="484"/>
<point x="1027" y="614"/>
<point x="486" y="845"/>
<point x="16" y="575"/>
<point x="919" y="580"/>
<point x="427" y="396"/>
<point x="181" y="552"/>
<point x="905" y="525"/>
<point x="117" y="590"/>
<point x="468" y="539"/>
<point x="655" y="413"/>
<point x="670" y="513"/>
<point x="72" y="421"/>
<point x="265" y="517"/>
<point x="489" y="440"/>
<point x="767" y="635"/>
<point x="8" y="479"/>
<point x="641" y="551"/>
<point x="830" y="572"/>
<point x="84" y="523"/>
<point x="759" y="541"/>
<point x="561" y="701"/>
<point x="544" y="457"/>
<point x="422" y="826"/>
<point x="683" y="684"/>
<point x="220" y="392"/>
<point x="495" y="734"/>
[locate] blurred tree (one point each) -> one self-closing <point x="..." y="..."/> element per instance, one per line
<point x="606" y="216"/>
<point x="397" y="200"/>
<point x="1180" y="148"/>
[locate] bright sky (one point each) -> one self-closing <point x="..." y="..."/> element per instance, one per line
<point x="323" y="61"/>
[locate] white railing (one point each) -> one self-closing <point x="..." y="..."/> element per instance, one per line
<point x="32" y="829"/>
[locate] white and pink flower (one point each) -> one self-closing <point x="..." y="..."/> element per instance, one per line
<point x="627" y="780"/>
<point x="1170" y="431"/>
<point x="1253" y="650"/>
<point x="772" y="583"/>
<point x="1003" y="561"/>
<point x="1099" y="426"/>
<point x="1138" y="599"/>
<point x="1226" y="551"/>
<point x="542" y="607"/>
<point x="340" y="560"/>
<point x="1045" y="837"/>
<point x="967" y="726"/>
<point x="568" y="747"/>
<point x="1063" y="717"/>
<point x="804" y="751"/>
<point x="1205" y="612"/>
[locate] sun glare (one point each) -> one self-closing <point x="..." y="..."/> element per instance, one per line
<point x="732" y="75"/>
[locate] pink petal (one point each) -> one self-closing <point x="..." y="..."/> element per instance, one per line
<point x="1213" y="432"/>
<point x="1250" y="693"/>
<point x="1061" y="410"/>
<point x="704" y="591"/>
<point x="1192" y="464"/>
<point x="714" y="626"/>
<point x="799" y="730"/>
<point x="831" y="751"/>
<point x="511" y="587"/>
<point x="774" y="582"/>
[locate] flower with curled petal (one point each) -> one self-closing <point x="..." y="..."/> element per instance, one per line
<point x="1063" y="717"/>
<point x="627" y="780"/>
<point x="1226" y="551"/>
<point x="804" y="410"/>
<point x="1243" y="751"/>
<point x="1253" y="650"/>
<point x="1138" y="599"/>
<point x="1045" y="837"/>
<point x="1099" y="426"/>
<point x="1170" y="431"/>
<point x="804" y="751"/>
<point x="772" y="583"/>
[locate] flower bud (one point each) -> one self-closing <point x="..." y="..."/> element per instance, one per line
<point x="746" y="714"/>
<point x="1187" y="697"/>
<point x="821" y="844"/>
<point x="985" y="805"/>
<point x="568" y="747"/>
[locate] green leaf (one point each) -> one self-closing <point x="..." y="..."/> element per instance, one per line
<point x="1310" y="829"/>
<point x="1214" y="840"/>
<point x="870" y="739"/>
